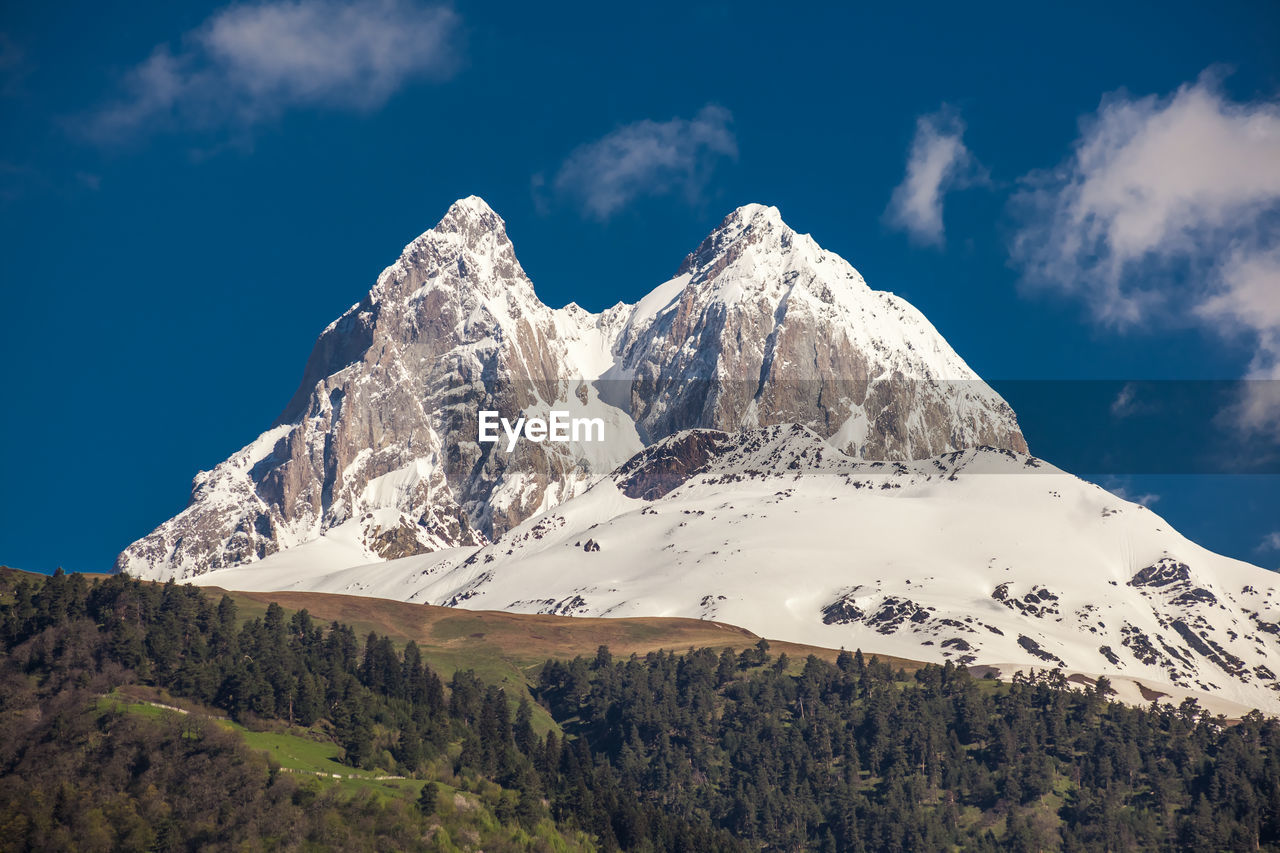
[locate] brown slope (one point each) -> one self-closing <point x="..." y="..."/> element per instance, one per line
<point x="520" y="638"/>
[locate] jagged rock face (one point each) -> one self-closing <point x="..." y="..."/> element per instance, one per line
<point x="773" y="329"/>
<point x="377" y="448"/>
<point x="661" y="469"/>
<point x="453" y="328"/>
<point x="382" y="430"/>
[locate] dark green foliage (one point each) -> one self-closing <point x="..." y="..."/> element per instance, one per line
<point x="855" y="756"/>
<point x="384" y="707"/>
<point x="429" y="798"/>
<point x="702" y="751"/>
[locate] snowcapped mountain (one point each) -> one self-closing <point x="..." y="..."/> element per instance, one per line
<point x="376" y="455"/>
<point x="985" y="556"/>
<point x="788" y="450"/>
<point x="762" y="326"/>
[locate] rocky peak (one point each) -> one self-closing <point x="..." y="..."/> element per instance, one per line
<point x="764" y="326"/>
<point x="474" y="224"/>
<point x="755" y="264"/>
<point x="468" y="250"/>
<point x="752" y="226"/>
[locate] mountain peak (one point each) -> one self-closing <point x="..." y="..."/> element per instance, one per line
<point x="379" y="434"/>
<point x="471" y="206"/>
<point x="470" y="222"/>
<point x="472" y="218"/>
<point x="755" y="214"/>
<point x="750" y="222"/>
<point x="469" y="244"/>
<point x="749" y="225"/>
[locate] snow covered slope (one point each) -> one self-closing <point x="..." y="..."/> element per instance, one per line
<point x="983" y="556"/>
<point x="377" y="449"/>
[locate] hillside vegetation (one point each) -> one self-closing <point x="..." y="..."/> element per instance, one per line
<point x="508" y="649"/>
<point x="729" y="748"/>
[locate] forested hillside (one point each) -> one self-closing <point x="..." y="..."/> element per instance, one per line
<point x="694" y="751"/>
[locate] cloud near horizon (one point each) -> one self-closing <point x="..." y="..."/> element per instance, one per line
<point x="939" y="162"/>
<point x="1168" y="213"/>
<point x="1120" y="487"/>
<point x="647" y="158"/>
<point x="250" y="63"/>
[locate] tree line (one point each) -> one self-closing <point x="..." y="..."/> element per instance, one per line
<point x="382" y="705"/>
<point x="704" y="750"/>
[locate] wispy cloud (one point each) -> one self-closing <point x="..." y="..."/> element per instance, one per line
<point x="1168" y="212"/>
<point x="939" y="162"/>
<point x="13" y="66"/>
<point x="1121" y="489"/>
<point x="1270" y="542"/>
<point x="250" y="63"/>
<point x="647" y="158"/>
<point x="1125" y="403"/>
<point x="1245" y="300"/>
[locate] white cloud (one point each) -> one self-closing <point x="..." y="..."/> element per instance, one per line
<point x="1120" y="488"/>
<point x="1246" y="300"/>
<point x="250" y="63"/>
<point x="1123" y="405"/>
<point x="647" y="158"/>
<point x="1270" y="542"/>
<point x="938" y="162"/>
<point x="1167" y="213"/>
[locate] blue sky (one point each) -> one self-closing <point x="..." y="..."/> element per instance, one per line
<point x="190" y="192"/>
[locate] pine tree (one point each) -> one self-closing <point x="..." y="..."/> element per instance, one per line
<point x="429" y="798"/>
<point x="522" y="731"/>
